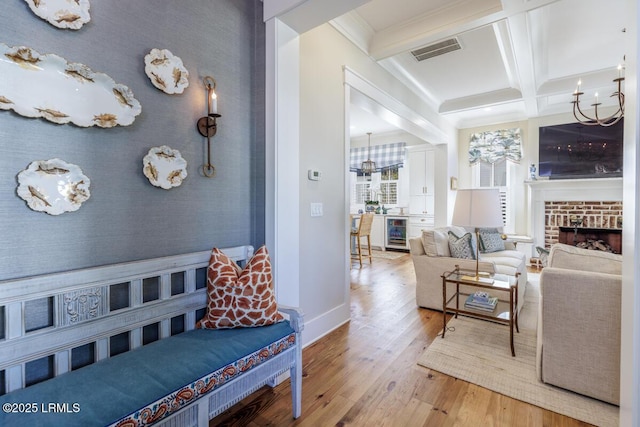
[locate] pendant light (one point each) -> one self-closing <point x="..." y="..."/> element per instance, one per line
<point x="368" y="166"/>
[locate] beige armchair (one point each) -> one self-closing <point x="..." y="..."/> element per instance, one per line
<point x="579" y="322"/>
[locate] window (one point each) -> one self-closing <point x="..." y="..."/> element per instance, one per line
<point x="389" y="186"/>
<point x="384" y="184"/>
<point x="381" y="186"/>
<point x="362" y="188"/>
<point x="495" y="175"/>
<point x="492" y="156"/>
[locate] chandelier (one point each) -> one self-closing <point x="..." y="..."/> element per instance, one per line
<point x="597" y="121"/>
<point x="368" y="166"/>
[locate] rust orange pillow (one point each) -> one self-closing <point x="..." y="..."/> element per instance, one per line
<point x="240" y="297"/>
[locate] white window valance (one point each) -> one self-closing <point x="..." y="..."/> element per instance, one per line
<point x="496" y="145"/>
<point x="384" y="156"/>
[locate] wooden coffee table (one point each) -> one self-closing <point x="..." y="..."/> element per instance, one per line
<point x="506" y="311"/>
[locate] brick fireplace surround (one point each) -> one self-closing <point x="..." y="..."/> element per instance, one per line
<point x="553" y="203"/>
<point x="594" y="215"/>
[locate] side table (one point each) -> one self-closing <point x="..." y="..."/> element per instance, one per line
<point x="506" y="312"/>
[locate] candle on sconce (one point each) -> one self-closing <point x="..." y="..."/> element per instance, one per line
<point x="214" y="103"/>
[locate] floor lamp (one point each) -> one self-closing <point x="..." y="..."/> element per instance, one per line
<point x="478" y="208"/>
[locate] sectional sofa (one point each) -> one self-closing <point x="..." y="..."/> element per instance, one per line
<point x="432" y="256"/>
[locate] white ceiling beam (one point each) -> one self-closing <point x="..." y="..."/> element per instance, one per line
<point x="524" y="66"/>
<point x="404" y="117"/>
<point x="506" y="53"/>
<point x="402" y="74"/>
<point x="483" y="99"/>
<point x="304" y="15"/>
<point x="430" y="28"/>
<point x="274" y="8"/>
<point x="355" y="28"/>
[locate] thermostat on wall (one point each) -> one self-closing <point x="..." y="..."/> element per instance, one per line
<point x="314" y="175"/>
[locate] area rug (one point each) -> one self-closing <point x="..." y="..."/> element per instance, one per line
<point x="478" y="352"/>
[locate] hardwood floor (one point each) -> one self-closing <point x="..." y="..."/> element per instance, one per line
<point x="365" y="372"/>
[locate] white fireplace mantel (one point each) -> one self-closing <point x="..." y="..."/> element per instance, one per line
<point x="570" y="190"/>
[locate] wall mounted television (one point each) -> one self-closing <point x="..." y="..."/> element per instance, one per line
<point x="573" y="151"/>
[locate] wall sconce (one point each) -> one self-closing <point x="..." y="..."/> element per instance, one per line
<point x="207" y="125"/>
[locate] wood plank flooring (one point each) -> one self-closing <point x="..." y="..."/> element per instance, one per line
<point x="365" y="372"/>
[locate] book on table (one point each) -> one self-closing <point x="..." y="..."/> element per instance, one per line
<point x="481" y="302"/>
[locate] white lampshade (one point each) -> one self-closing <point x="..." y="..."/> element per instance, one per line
<point x="478" y="208"/>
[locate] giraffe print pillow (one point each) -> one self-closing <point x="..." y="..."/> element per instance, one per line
<point x="240" y="297"/>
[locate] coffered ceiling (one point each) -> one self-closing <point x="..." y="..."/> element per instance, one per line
<point x="518" y="59"/>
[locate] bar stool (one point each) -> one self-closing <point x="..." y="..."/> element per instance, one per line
<point x="363" y="230"/>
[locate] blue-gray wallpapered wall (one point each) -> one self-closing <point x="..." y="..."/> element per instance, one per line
<point x="126" y="218"/>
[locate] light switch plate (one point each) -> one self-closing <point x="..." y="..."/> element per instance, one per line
<point x="316" y="209"/>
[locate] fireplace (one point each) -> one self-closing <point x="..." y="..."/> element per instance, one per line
<point x="604" y="239"/>
<point x="587" y="224"/>
<point x="585" y="203"/>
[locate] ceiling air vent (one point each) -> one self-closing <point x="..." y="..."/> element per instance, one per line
<point x="436" y="49"/>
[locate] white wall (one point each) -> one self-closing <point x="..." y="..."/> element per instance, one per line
<point x="282" y="141"/>
<point x="324" y="145"/>
<point x="324" y="297"/>
<point x="630" y="312"/>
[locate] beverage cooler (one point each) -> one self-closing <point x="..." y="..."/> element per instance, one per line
<point x="396" y="229"/>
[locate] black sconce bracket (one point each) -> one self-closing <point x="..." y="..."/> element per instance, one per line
<point x="207" y="125"/>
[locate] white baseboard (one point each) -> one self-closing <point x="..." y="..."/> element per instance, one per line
<point x="315" y="329"/>
<point x="318" y="327"/>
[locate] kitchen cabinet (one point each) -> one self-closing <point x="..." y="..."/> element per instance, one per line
<point x="377" y="232"/>
<point x="421" y="181"/>
<point x="417" y="223"/>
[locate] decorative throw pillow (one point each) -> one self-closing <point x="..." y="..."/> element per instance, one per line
<point x="436" y="242"/>
<point x="461" y="247"/>
<point x="490" y="240"/>
<point x="240" y="297"/>
<point x="543" y="254"/>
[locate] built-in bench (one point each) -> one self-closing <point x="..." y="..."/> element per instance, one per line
<point x="117" y="345"/>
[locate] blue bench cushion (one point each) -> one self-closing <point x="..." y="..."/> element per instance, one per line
<point x="152" y="382"/>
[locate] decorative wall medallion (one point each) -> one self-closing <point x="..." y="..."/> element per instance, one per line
<point x="166" y="71"/>
<point x="78" y="306"/>
<point x="164" y="167"/>
<point x="71" y="14"/>
<point x="53" y="186"/>
<point x="35" y="85"/>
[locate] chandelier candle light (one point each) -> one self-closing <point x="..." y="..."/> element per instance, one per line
<point x="597" y="121"/>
